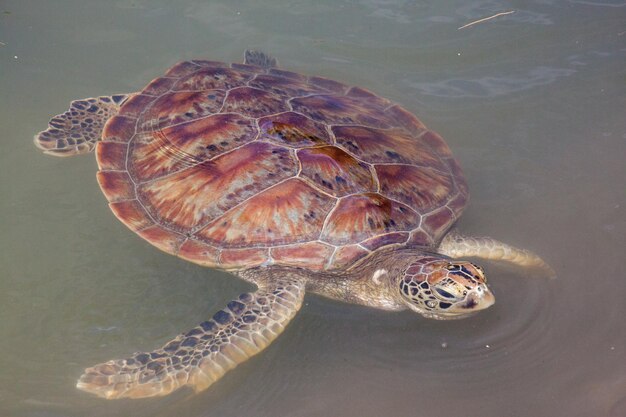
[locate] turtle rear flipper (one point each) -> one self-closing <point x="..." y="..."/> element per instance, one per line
<point x="78" y="129"/>
<point x="201" y="356"/>
<point x="252" y="57"/>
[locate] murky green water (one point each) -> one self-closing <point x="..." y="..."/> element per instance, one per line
<point x="533" y="105"/>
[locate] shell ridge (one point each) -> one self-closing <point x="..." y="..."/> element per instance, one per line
<point x="261" y="245"/>
<point x="239" y="87"/>
<point x="299" y="173"/>
<point x="331" y="258"/>
<point x="363" y="247"/>
<point x="388" y="234"/>
<point x="247" y="83"/>
<point x="374" y="174"/>
<point x="166" y="147"/>
<point x="173" y="152"/>
<point x="419" y="165"/>
<point x="305" y="96"/>
<point x="315" y="186"/>
<point x="199" y="161"/>
<point x="390" y="128"/>
<point x="127" y="157"/>
<point x="201" y="226"/>
<point x="290" y="186"/>
<point x="204" y="117"/>
<point x="327" y="219"/>
<point x="442" y="159"/>
<point x="221" y="110"/>
<point x="180" y="245"/>
<point x="340" y="146"/>
<point x="331" y="135"/>
<point x="207" y="160"/>
<point x="451" y="211"/>
<point x="151" y="122"/>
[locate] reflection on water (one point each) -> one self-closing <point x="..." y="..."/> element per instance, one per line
<point x="531" y="104"/>
<point x="493" y="86"/>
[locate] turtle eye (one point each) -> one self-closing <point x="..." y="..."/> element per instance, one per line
<point x="444" y="293"/>
<point x="481" y="272"/>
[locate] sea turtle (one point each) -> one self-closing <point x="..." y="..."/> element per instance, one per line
<point x="294" y="183"/>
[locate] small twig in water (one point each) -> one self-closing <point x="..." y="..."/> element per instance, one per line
<point x="485" y="19"/>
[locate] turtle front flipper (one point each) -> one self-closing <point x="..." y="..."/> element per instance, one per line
<point x="202" y="355"/>
<point x="456" y="245"/>
<point x="78" y="129"/>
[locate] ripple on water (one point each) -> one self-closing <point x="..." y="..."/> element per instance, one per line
<point x="516" y="334"/>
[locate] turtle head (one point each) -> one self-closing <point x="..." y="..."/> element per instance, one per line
<point x="445" y="289"/>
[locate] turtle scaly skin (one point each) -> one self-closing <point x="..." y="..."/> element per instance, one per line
<point x="294" y="183"/>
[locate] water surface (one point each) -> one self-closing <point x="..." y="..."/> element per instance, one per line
<point x="532" y="104"/>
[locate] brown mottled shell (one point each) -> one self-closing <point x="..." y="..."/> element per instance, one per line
<point x="234" y="166"/>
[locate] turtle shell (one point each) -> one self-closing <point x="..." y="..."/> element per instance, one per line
<point x="234" y="166"/>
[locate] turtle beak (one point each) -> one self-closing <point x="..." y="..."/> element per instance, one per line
<point x="479" y="299"/>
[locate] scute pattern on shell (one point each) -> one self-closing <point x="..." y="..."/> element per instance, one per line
<point x="234" y="166"/>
